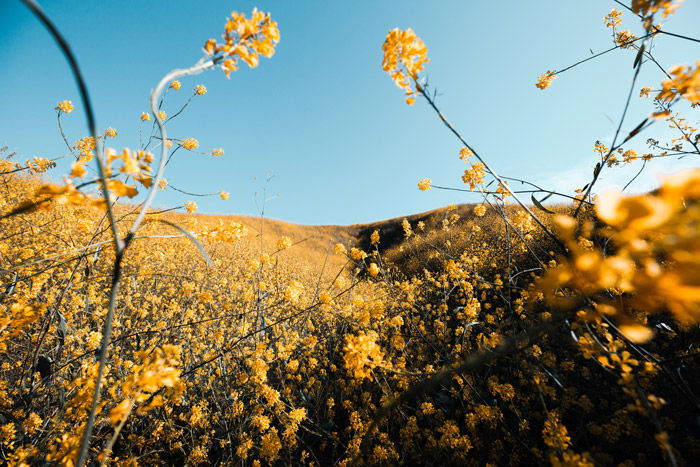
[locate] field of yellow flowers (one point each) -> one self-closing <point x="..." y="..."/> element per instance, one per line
<point x="495" y="333"/>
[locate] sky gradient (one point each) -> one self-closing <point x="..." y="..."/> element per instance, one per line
<point x="322" y="116"/>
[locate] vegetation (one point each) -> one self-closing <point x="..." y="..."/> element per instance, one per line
<point x="500" y="333"/>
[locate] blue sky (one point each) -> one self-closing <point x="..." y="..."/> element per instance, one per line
<point x="322" y="116"/>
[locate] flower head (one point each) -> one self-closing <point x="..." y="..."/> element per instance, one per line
<point x="405" y="55"/>
<point x="245" y="39"/>
<point x="65" y="106"/>
<point x="424" y="184"/>
<point x="190" y="206"/>
<point x="545" y="79"/>
<point x="189" y="143"/>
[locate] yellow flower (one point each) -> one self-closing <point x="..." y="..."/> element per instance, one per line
<point x="224" y="194"/>
<point x="644" y="92"/>
<point x="284" y="242"/>
<point x="685" y="83"/>
<point x="357" y="254"/>
<point x="217" y="152"/>
<point x="374" y="238"/>
<point x="175" y="85"/>
<point x="118" y="413"/>
<point x="297" y="415"/>
<point x="465" y="153"/>
<point x="362" y="354"/>
<point x="162" y="183"/>
<point x="145" y="116"/>
<point x="120" y="189"/>
<point x="373" y="270"/>
<point x="405" y="55"/>
<point x="110" y="132"/>
<point x="474" y="176"/>
<point x="480" y="210"/>
<point x="424" y="184"/>
<point x="190" y="206"/>
<point x="614" y="18"/>
<point x="78" y="170"/>
<point x="245" y="39"/>
<point x="189" y="143"/>
<point x="545" y="80"/>
<point x="162" y="115"/>
<point x="325" y="298"/>
<point x="65" y="106"/>
<point x="200" y="89"/>
<point x="640" y="212"/>
<point x="293" y="291"/>
<point x="625" y="38"/>
<point x="339" y="249"/>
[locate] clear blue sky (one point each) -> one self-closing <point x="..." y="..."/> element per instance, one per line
<point x="321" y="114"/>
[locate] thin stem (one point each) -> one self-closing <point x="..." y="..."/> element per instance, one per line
<point x="546" y="229"/>
<point x="87" y="104"/>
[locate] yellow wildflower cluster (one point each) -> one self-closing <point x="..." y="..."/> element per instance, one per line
<point x="614" y="18"/>
<point x="653" y="267"/>
<point x="475" y="175"/>
<point x="189" y="143"/>
<point x="424" y="184"/>
<point x="432" y="342"/>
<point x="545" y="80"/>
<point x="362" y="354"/>
<point x="405" y="55"/>
<point x="685" y="83"/>
<point x="650" y="7"/>
<point x="624" y="39"/>
<point x="190" y="206"/>
<point x="244" y="39"/>
<point x="65" y="106"/>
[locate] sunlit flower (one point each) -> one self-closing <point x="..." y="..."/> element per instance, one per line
<point x="190" y="206"/>
<point x="189" y="143"/>
<point x="405" y="55"/>
<point x="545" y="80"/>
<point x="424" y="184"/>
<point x="284" y="242"/>
<point x="614" y="18"/>
<point x="65" y="106"/>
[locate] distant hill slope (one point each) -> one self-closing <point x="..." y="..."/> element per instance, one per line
<point x="320" y="239"/>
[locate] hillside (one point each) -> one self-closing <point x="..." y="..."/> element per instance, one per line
<point x="278" y="351"/>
